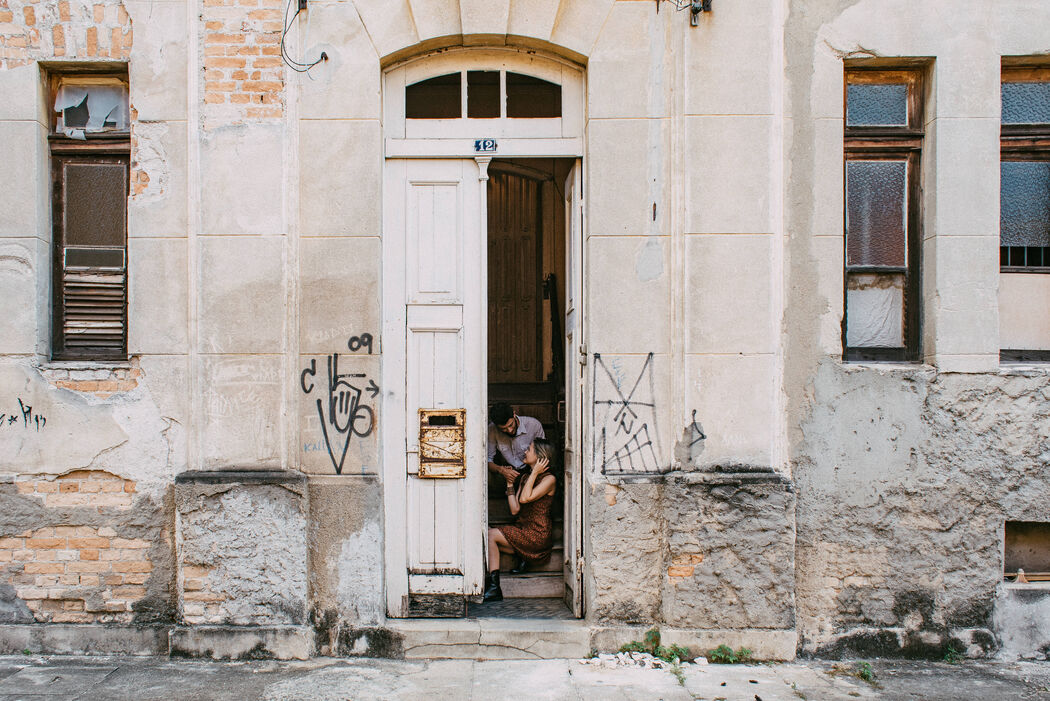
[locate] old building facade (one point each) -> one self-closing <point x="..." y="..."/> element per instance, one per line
<point x="770" y="272"/>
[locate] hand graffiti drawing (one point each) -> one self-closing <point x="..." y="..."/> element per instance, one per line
<point x="346" y="414"/>
<point x="625" y="422"/>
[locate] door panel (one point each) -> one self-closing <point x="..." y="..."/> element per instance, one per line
<point x="433" y="338"/>
<point x="574" y="355"/>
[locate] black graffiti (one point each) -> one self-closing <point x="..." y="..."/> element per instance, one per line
<point x="342" y="414"/>
<point x="625" y="423"/>
<point x="356" y="343"/>
<point x="696" y="432"/>
<point x="29" y="418"/>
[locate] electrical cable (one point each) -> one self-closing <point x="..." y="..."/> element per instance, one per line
<point x="297" y="66"/>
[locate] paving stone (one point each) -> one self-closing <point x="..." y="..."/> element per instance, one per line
<point x="54" y="681"/>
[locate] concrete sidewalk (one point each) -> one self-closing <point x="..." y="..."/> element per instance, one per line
<point x="104" y="678"/>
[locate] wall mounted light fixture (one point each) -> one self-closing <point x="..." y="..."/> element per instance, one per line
<point x="696" y="7"/>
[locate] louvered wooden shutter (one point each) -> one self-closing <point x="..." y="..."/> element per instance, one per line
<point x="91" y="260"/>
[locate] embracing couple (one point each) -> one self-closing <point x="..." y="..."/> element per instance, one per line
<point x="520" y="443"/>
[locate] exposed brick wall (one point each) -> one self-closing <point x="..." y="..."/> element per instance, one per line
<point x="243" y="77"/>
<point x="100" y="380"/>
<point x="200" y="603"/>
<point x="80" y="488"/>
<point x="77" y="574"/>
<point x="32" y="30"/>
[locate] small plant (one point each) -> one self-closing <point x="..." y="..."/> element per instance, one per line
<point x="672" y="655"/>
<point x="723" y="654"/>
<point x="651" y="645"/>
<point x="27" y="652"/>
<point x="861" y="670"/>
<point x="953" y="655"/>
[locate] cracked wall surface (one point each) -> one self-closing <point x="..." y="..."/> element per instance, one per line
<point x="85" y="523"/>
<point x="242" y="552"/>
<point x="708" y="551"/>
<point x="905" y="474"/>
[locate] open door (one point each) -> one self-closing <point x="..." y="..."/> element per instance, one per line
<point x="433" y="346"/>
<point x="575" y="356"/>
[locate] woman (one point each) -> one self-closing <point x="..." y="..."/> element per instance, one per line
<point x="530" y="536"/>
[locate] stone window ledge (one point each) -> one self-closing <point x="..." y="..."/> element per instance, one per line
<point x="1024" y="369"/>
<point x="895" y="368"/>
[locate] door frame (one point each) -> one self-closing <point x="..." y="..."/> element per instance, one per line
<point x="460" y="143"/>
<point x="395" y="428"/>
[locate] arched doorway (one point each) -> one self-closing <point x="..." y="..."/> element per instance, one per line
<point x="469" y="134"/>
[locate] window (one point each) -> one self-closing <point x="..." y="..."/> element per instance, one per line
<point x="90" y="153"/>
<point x="883" y="147"/>
<point x="1024" y="206"/>
<point x="490" y="94"/>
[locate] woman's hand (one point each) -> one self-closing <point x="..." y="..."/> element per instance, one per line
<point x="541" y="467"/>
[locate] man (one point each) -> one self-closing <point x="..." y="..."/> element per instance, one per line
<point x="510" y="435"/>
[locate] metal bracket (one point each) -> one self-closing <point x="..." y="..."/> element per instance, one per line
<point x="696" y="8"/>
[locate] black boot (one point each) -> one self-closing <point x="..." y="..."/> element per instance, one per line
<point x="492" y="589"/>
<point x="522" y="567"/>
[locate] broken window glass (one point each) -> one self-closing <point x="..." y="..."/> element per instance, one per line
<point x="435" y="98"/>
<point x="876" y="212"/>
<point x="876" y="104"/>
<point x="89" y="108"/>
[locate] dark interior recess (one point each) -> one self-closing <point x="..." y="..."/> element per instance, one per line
<point x="526" y="296"/>
<point x="1027" y="546"/>
<point x="483" y="94"/>
<point x="435" y="98"/>
<point x="532" y="98"/>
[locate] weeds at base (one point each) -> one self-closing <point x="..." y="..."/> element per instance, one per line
<point x="673" y="655"/>
<point x="723" y="654"/>
<point x="952" y="655"/>
<point x="859" y="670"/>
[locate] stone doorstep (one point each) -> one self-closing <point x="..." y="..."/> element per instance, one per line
<point x="509" y="638"/>
<point x="493" y="638"/>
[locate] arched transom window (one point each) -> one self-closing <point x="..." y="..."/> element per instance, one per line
<point x="486" y="94"/>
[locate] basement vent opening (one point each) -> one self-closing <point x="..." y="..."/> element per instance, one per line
<point x="1026" y="549"/>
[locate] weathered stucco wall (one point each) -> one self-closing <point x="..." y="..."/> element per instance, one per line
<point x="242" y="547"/>
<point x="905" y="480"/>
<point x="702" y="551"/>
<point x="713" y="320"/>
<point x="906" y="474"/>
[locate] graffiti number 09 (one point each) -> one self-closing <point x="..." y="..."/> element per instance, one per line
<point x="356" y="343"/>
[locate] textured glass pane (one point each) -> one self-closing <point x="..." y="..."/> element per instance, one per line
<point x="876" y="212"/>
<point x="96" y="196"/>
<point x="1024" y="203"/>
<point x="532" y="98"/>
<point x="436" y="98"/>
<point x="876" y="105"/>
<point x="1026" y="103"/>
<point x="875" y="311"/>
<point x="483" y="94"/>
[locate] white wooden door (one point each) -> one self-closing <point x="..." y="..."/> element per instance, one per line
<point x="575" y="355"/>
<point x="433" y="358"/>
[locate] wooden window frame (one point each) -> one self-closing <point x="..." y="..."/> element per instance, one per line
<point x="1024" y="142"/>
<point x="111" y="146"/>
<point x="890" y="143"/>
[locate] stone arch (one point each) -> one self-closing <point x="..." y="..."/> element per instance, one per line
<point x="401" y="29"/>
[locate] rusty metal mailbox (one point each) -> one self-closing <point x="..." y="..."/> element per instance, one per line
<point x="442" y="443"/>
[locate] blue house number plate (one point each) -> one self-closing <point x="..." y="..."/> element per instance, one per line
<point x="484" y="145"/>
